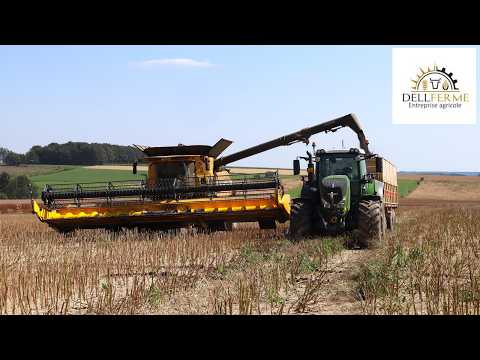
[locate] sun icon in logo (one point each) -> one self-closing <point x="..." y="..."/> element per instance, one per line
<point x="432" y="80"/>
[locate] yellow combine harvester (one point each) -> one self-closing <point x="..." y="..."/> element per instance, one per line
<point x="184" y="187"/>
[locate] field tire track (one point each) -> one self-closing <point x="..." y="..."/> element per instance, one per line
<point x="339" y="296"/>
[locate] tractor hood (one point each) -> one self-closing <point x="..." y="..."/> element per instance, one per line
<point x="335" y="193"/>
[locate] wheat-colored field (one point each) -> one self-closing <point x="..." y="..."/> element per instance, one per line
<point x="429" y="265"/>
<point x="444" y="191"/>
<point x="246" y="271"/>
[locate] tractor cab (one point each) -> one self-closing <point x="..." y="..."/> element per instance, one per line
<point x="341" y="162"/>
<point x="343" y="186"/>
<point x="339" y="176"/>
<point x="338" y="164"/>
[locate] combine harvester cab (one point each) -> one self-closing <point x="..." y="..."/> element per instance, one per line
<point x="183" y="188"/>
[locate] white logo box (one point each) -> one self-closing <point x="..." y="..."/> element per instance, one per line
<point x="406" y="64"/>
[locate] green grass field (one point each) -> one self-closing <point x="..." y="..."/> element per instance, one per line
<point x="405" y="187"/>
<point x="83" y="175"/>
<point x="295" y="192"/>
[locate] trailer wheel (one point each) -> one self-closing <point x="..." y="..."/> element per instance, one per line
<point x="371" y="223"/>
<point x="300" y="219"/>
<point x="391" y="219"/>
<point x="384" y="222"/>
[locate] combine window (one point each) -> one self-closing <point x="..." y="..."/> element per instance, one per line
<point x="175" y="170"/>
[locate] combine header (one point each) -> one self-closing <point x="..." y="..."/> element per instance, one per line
<point x="184" y="187"/>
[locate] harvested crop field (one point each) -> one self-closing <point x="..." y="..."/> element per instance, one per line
<point x="246" y="271"/>
<point x="427" y="266"/>
<point x="32" y="170"/>
<point x="430" y="265"/>
<point x="19" y="206"/>
<point x="448" y="191"/>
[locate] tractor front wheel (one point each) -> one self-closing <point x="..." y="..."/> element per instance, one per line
<point x="300" y="219"/>
<point x="371" y="223"/>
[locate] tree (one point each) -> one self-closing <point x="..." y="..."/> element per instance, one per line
<point x="14" y="159"/>
<point x="81" y="153"/>
<point x="32" y="156"/>
<point x="19" y="188"/>
<point x="3" y="153"/>
<point x="4" y="180"/>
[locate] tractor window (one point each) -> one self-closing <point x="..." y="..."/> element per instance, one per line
<point x="339" y="166"/>
<point x="363" y="168"/>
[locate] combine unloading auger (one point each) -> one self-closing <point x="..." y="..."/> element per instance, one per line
<point x="303" y="135"/>
<point x="183" y="187"/>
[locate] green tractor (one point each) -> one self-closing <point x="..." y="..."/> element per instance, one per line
<point x="345" y="191"/>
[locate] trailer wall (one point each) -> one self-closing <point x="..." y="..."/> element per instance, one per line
<point x="388" y="176"/>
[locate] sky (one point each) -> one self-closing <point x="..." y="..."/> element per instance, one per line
<point x="165" y="95"/>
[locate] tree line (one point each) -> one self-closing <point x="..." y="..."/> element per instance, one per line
<point x="73" y="153"/>
<point x="17" y="187"/>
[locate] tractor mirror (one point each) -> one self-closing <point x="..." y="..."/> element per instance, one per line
<point x="134" y="167"/>
<point x="296" y="167"/>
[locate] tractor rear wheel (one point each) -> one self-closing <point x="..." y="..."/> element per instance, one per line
<point x="371" y="223"/>
<point x="300" y="219"/>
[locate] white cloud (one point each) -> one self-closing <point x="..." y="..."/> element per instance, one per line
<point x="181" y="62"/>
